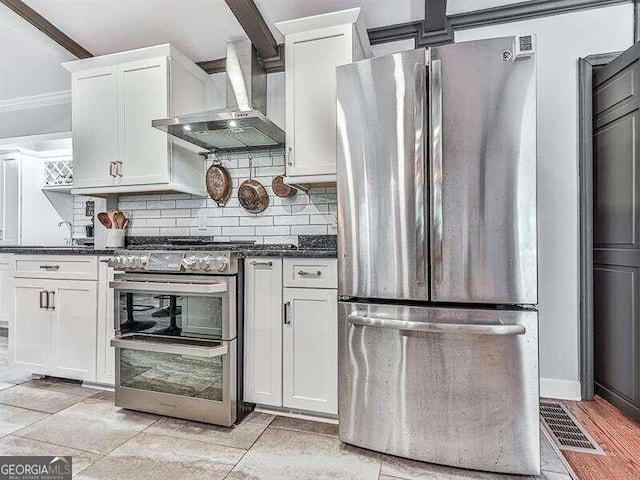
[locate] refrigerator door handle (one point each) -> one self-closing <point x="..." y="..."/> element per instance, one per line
<point x="420" y="76"/>
<point x="435" y="92"/>
<point x="358" y="318"/>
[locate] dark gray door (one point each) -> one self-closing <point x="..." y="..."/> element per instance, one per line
<point x="616" y="236"/>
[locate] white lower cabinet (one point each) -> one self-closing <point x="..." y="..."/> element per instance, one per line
<point x="5" y="290"/>
<point x="263" y="328"/>
<point x="52" y="325"/>
<point x="291" y="357"/>
<point x="54" y="329"/>
<point x="106" y="357"/>
<point x="310" y="350"/>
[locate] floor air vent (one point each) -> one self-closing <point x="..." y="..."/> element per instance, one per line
<point x="565" y="430"/>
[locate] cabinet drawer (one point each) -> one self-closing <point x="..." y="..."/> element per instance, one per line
<point x="59" y="267"/>
<point x="310" y="272"/>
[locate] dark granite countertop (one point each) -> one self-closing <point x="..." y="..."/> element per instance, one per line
<point x="311" y="246"/>
<point x="39" y="250"/>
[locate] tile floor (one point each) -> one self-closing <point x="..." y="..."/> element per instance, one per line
<point x="52" y="417"/>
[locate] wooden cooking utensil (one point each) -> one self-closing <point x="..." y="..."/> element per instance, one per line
<point x="119" y="219"/>
<point x="103" y="218"/>
<point x="111" y="213"/>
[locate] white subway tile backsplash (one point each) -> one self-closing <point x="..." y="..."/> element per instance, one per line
<point x="308" y="229"/>
<point x="161" y="222"/>
<point x="160" y="204"/>
<point x="306" y="213"/>
<point x="280" y="230"/>
<point x="239" y="231"/>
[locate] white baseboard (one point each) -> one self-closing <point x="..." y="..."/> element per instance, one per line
<point x="560" y="389"/>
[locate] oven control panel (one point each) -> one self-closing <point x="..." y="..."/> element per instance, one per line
<point x="176" y="262"/>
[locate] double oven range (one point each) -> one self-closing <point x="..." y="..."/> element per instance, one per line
<point x="178" y="333"/>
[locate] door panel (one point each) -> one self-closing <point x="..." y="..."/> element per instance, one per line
<point x="30" y="335"/>
<point x="263" y="331"/>
<point x="443" y="395"/>
<point x="312" y="97"/>
<point x="143" y="88"/>
<point x="310" y="357"/>
<point x="382" y="194"/>
<point x="616" y="303"/>
<point x="616" y="223"/>
<point x="10" y="193"/>
<point x="483" y="202"/>
<point x="95" y="127"/>
<point x="73" y="339"/>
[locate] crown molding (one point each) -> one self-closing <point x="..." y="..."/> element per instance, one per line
<point x="35" y="101"/>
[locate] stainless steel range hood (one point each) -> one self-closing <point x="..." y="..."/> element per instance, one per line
<point x="243" y="124"/>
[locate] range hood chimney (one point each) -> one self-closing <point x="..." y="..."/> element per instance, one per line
<point x="243" y="124"/>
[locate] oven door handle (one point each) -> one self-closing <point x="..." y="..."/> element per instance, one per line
<point x="171" y="348"/>
<point x="173" y="288"/>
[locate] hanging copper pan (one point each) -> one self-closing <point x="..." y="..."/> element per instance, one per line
<point x="281" y="189"/>
<point x="218" y="184"/>
<point x="252" y="194"/>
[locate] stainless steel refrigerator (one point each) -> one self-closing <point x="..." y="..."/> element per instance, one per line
<point x="438" y="336"/>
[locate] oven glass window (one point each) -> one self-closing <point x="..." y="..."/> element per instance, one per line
<point x="172" y="315"/>
<point x="183" y="375"/>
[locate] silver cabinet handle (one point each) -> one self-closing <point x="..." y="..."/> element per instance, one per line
<point x="51" y="300"/>
<point x="44" y="299"/>
<point x="287" y="319"/>
<point x="436" y="167"/>
<point x="304" y="273"/>
<point x="147" y="343"/>
<point x="420" y="77"/>
<point x="118" y="168"/>
<point x="357" y="318"/>
<point x="290" y="157"/>
<point x="112" y="168"/>
<point x="261" y="264"/>
<point x="50" y="267"/>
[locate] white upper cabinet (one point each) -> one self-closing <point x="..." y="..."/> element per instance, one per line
<point x="114" y="100"/>
<point x="314" y="47"/>
<point x="10" y="194"/>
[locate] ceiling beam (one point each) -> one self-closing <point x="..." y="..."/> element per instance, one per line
<point x="435" y="15"/>
<point x="252" y="22"/>
<point x="46" y="27"/>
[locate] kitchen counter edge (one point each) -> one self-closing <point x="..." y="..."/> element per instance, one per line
<point x="250" y="252"/>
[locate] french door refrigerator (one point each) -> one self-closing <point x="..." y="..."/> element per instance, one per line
<point x="438" y="336"/>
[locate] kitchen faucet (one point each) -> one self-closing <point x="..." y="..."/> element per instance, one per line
<point x="70" y="240"/>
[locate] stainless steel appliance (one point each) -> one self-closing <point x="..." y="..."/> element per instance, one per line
<point x="244" y="123"/>
<point x="438" y="338"/>
<point x="178" y="322"/>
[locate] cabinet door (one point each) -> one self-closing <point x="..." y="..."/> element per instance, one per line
<point x="105" y="366"/>
<point x="263" y="331"/>
<point x="6" y="292"/>
<point x="10" y="180"/>
<point x="312" y="59"/>
<point x="30" y="328"/>
<point x="73" y="307"/>
<point x="310" y="350"/>
<point x="143" y="97"/>
<point x="95" y="127"/>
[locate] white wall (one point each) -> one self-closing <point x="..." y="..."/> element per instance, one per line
<point x="562" y="39"/>
<point x="35" y="121"/>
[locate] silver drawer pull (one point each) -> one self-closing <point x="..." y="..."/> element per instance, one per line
<point x="459" y="328"/>
<point x="50" y="267"/>
<point x="261" y="264"/>
<point x="148" y="345"/>
<point x="307" y="273"/>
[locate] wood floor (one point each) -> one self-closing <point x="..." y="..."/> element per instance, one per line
<point x="617" y="434"/>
